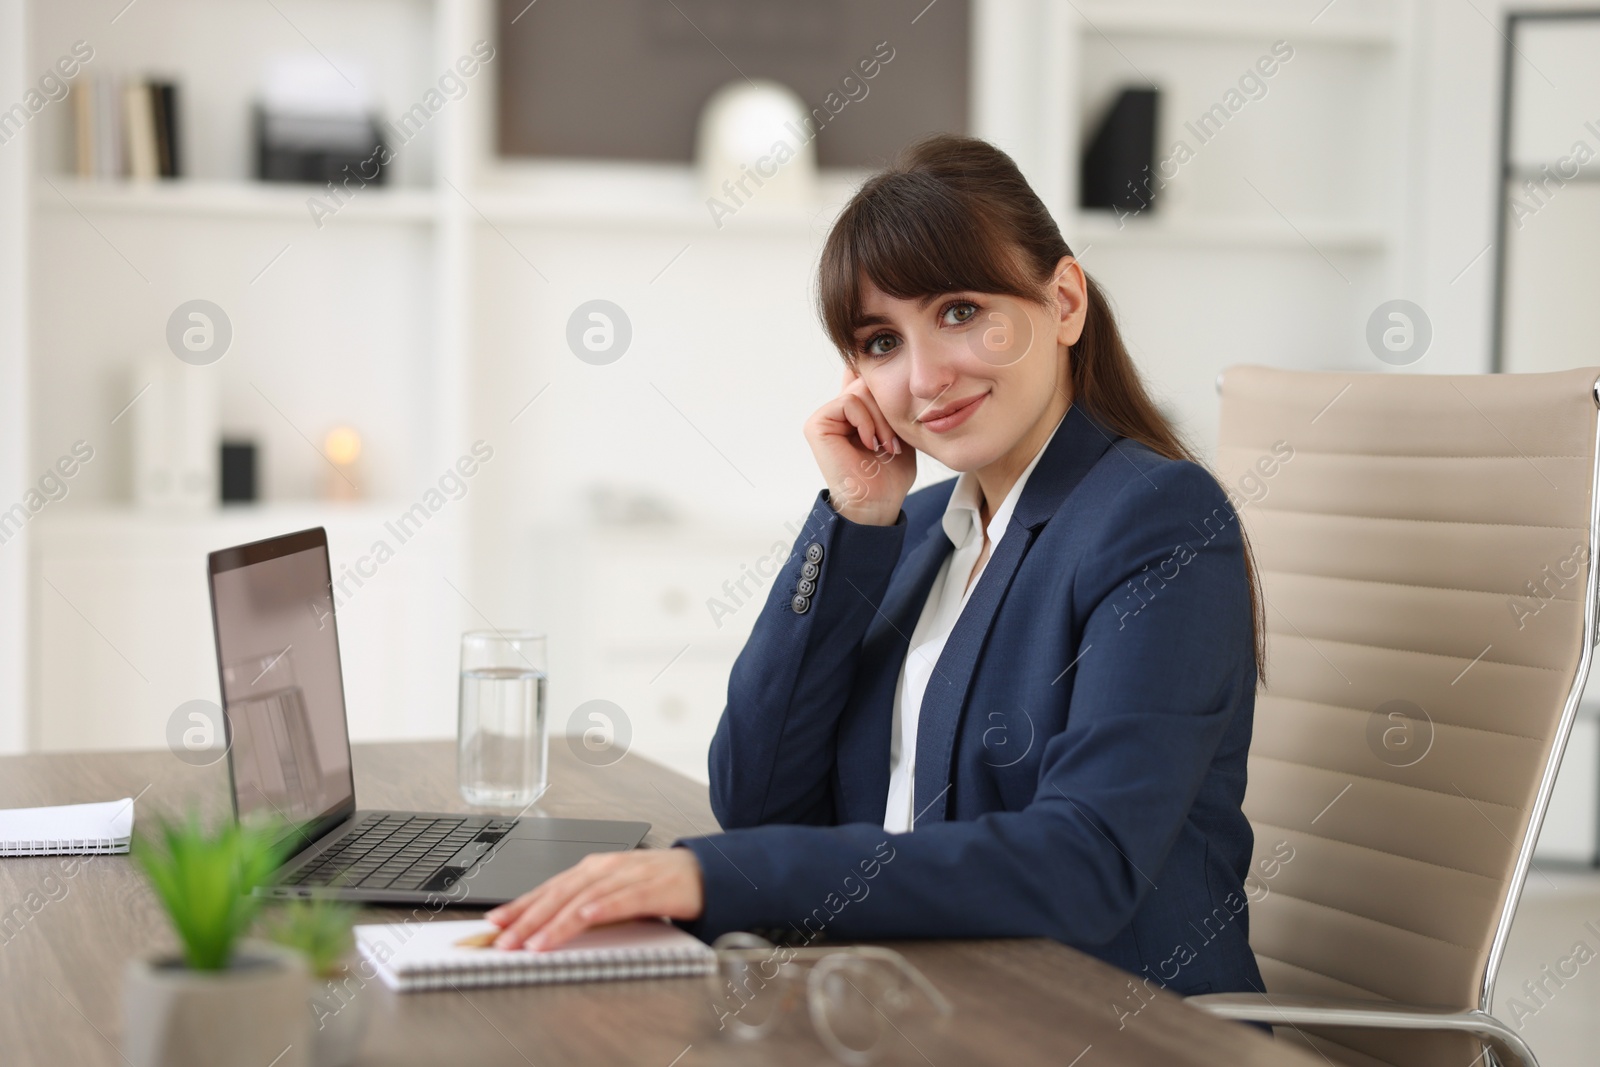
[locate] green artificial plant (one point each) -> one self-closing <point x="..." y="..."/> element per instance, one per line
<point x="204" y="879"/>
<point x="319" y="929"/>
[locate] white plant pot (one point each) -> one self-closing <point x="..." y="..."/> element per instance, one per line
<point x="250" y="1015"/>
<point x="340" y="1009"/>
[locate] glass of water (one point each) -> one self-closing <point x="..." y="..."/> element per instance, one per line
<point x="502" y="739"/>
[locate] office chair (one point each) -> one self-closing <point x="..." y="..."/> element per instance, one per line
<point x="1424" y="544"/>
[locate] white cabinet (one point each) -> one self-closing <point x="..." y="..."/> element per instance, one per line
<point x="630" y="616"/>
<point x="121" y="623"/>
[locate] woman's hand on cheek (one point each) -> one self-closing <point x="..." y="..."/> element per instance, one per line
<point x="867" y="468"/>
<point x="603" y="887"/>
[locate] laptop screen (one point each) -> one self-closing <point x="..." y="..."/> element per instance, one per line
<point x="282" y="690"/>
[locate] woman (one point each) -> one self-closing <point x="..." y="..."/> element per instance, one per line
<point x="1015" y="703"/>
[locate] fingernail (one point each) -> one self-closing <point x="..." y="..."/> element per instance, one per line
<point x="588" y="910"/>
<point x="505" y="941"/>
<point x="872" y="442"/>
<point x="536" y="942"/>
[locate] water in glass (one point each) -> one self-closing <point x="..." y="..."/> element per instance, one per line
<point x="502" y="743"/>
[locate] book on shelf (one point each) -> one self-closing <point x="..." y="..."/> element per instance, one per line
<point x="125" y="127"/>
<point x="141" y="131"/>
<point x="164" y="105"/>
<point x="107" y="160"/>
<point x="83" y="133"/>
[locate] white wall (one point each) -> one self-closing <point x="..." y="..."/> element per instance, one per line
<point x="1552" y="321"/>
<point x="14" y="163"/>
<point x="1452" y="195"/>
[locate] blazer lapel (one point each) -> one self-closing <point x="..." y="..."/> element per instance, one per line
<point x="1077" y="445"/>
<point x="865" y="737"/>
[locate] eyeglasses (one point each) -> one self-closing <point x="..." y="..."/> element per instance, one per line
<point x="859" y="997"/>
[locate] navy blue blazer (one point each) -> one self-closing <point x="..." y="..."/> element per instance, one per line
<point x="1081" y="748"/>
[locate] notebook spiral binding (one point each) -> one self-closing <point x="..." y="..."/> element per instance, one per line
<point x="447" y="974"/>
<point x="63" y="846"/>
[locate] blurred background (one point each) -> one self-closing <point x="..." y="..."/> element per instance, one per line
<point x="517" y="298"/>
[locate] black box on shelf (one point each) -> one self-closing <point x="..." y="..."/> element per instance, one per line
<point x="238" y="472"/>
<point x="1118" y="166"/>
<point x="318" y="148"/>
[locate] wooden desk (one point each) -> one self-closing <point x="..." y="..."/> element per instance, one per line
<point x="1016" y="1001"/>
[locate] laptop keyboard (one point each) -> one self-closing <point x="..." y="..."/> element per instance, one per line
<point x="404" y="852"/>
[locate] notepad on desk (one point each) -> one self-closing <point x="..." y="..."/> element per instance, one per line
<point x="68" y="829"/>
<point x="446" y="954"/>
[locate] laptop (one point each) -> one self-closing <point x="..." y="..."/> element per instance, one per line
<point x="272" y="608"/>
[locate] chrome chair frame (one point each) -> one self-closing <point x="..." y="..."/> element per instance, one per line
<point x="1504" y="1045"/>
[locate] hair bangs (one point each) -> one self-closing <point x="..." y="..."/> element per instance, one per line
<point x="912" y="237"/>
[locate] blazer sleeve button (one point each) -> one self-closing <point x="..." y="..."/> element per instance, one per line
<point x="801" y="604"/>
<point x="814" y="552"/>
<point x="806" y="587"/>
<point x="810" y="571"/>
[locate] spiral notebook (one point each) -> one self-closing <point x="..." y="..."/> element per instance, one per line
<point x="445" y="955"/>
<point x="67" y="829"/>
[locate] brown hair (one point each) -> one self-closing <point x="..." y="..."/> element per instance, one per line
<point x="954" y="213"/>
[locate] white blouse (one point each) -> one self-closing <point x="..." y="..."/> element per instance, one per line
<point x="946" y="600"/>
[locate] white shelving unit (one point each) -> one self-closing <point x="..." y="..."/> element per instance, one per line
<point x="200" y="199"/>
<point x="362" y="319"/>
<point x="431" y="313"/>
<point x="1369" y="24"/>
<point x="382" y="309"/>
<point x="1164" y="233"/>
<point x="1284" y="223"/>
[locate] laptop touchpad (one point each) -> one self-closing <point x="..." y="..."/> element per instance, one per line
<point x="527" y="863"/>
<point x="571" y="830"/>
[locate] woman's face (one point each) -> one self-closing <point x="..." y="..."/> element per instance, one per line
<point x="964" y="376"/>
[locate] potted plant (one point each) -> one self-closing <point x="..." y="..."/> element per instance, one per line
<point x="223" y="1001"/>
<point x="319" y="929"/>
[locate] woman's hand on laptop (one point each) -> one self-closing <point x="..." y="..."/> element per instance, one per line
<point x="603" y="887"/>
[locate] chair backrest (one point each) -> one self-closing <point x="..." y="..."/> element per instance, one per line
<point x="1424" y="544"/>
